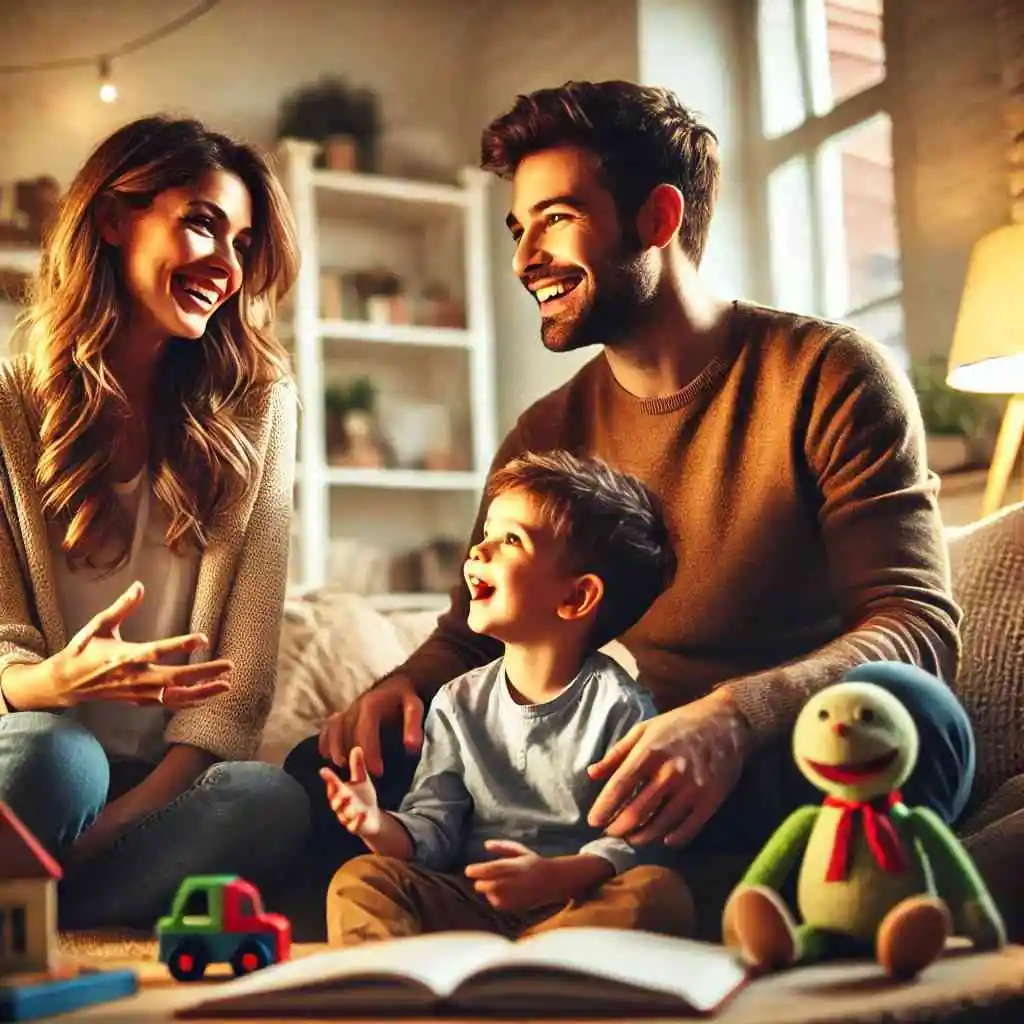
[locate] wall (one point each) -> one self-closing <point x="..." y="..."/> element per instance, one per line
<point x="695" y="49"/>
<point x="950" y="148"/>
<point x="231" y="67"/>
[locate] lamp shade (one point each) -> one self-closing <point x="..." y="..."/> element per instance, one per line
<point x="988" y="344"/>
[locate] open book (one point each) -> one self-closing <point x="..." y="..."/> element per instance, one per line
<point x="573" y="971"/>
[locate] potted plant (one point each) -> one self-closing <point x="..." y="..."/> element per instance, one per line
<point x="353" y="437"/>
<point x="960" y="425"/>
<point x="342" y="119"/>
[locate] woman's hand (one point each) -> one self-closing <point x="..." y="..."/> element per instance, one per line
<point x="98" y="665"/>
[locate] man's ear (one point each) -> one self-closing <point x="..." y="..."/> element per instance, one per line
<point x="585" y="596"/>
<point x="661" y="217"/>
<point x="110" y="219"/>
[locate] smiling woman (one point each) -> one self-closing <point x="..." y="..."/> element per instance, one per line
<point x="147" y="437"/>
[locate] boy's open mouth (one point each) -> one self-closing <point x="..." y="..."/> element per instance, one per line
<point x="479" y="590"/>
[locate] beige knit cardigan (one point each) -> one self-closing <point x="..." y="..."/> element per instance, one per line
<point x="239" y="589"/>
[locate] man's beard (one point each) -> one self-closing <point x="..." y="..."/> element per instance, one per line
<point x="623" y="289"/>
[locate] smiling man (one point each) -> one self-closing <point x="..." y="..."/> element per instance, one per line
<point x="788" y="455"/>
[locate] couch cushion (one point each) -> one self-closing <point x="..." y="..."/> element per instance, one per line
<point x="333" y="646"/>
<point x="987" y="562"/>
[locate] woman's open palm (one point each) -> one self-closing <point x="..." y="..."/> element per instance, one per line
<point x="97" y="664"/>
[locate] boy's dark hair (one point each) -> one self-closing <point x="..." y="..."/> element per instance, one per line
<point x="642" y="135"/>
<point x="611" y="525"/>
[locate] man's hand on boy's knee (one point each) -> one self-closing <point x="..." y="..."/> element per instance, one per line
<point x="669" y="774"/>
<point x="359" y="725"/>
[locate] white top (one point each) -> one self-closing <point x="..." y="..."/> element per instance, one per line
<point x="129" y="730"/>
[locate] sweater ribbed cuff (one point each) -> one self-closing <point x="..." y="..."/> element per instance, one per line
<point x="19" y="657"/>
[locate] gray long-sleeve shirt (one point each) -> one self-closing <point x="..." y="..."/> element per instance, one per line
<point x="494" y="769"/>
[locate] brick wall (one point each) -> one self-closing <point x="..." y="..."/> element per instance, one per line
<point x="950" y="145"/>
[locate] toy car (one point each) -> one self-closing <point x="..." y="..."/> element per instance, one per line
<point x="220" y="919"/>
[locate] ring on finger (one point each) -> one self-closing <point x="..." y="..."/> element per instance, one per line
<point x="160" y="695"/>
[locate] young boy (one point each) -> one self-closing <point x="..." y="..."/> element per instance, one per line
<point x="493" y="834"/>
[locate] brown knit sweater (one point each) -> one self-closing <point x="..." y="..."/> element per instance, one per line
<point x="793" y="475"/>
<point x="239" y="591"/>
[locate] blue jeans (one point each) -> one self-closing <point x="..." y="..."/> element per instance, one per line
<point x="245" y="818"/>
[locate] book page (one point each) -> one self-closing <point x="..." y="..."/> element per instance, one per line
<point x="437" y="962"/>
<point x="698" y="973"/>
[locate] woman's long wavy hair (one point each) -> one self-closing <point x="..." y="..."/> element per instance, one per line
<point x="201" y="456"/>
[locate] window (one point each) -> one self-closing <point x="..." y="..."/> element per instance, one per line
<point x="19" y="933"/>
<point x="197" y="907"/>
<point x="833" y="246"/>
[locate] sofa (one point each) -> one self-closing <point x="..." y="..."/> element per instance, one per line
<point x="334" y="644"/>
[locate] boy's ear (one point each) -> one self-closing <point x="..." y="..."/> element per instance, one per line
<point x="661" y="217"/>
<point x="110" y="219"/>
<point x="584" y="597"/>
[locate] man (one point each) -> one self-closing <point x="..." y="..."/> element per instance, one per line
<point x="788" y="454"/>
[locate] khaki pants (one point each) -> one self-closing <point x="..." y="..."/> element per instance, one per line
<point x="373" y="897"/>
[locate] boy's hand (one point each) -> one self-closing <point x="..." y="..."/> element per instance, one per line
<point x="355" y="801"/>
<point x="520" y="880"/>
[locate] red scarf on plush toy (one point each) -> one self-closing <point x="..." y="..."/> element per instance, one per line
<point x="879" y="831"/>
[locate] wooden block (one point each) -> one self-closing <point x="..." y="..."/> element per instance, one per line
<point x="33" y="997"/>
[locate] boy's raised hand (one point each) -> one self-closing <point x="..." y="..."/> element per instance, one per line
<point x="355" y="801"/>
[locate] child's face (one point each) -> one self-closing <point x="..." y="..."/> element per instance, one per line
<point x="516" y="575"/>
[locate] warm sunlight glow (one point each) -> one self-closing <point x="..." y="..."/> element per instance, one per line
<point x="988" y="344"/>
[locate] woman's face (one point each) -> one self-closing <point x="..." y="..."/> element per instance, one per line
<point x="184" y="254"/>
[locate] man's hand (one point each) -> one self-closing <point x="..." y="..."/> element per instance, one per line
<point x="355" y="801"/>
<point x="359" y="724"/>
<point x="521" y="879"/>
<point x="669" y="774"/>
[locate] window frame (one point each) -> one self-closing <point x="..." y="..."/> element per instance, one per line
<point x="807" y="140"/>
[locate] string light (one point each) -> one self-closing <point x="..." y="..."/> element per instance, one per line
<point x="108" y="90"/>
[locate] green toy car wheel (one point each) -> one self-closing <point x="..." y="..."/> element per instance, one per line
<point x="188" y="960"/>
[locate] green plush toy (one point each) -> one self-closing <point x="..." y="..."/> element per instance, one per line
<point x="875" y="874"/>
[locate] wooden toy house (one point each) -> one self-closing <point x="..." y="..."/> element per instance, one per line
<point x="28" y="899"/>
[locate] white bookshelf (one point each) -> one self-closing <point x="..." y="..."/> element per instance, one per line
<point x="24" y="260"/>
<point x="326" y="205"/>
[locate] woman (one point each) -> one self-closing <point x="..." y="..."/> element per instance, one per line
<point x="147" y="437"/>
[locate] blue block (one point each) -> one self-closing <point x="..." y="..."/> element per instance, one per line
<point x="62" y="995"/>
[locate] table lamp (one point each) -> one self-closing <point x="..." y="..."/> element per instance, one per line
<point x="987" y="355"/>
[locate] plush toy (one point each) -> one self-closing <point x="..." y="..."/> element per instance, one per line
<point x="875" y="874"/>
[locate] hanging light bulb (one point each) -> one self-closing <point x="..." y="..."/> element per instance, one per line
<point x="108" y="91"/>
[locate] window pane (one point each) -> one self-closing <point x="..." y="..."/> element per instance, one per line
<point x="19" y="932"/>
<point x="846" y="51"/>
<point x="858" y="217"/>
<point x="789" y="226"/>
<point x="884" y="323"/>
<point x="782" y="98"/>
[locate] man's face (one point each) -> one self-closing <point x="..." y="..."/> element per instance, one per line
<point x="585" y="269"/>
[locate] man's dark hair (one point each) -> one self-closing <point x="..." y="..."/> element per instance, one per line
<point x="642" y="136"/>
<point x="611" y="526"/>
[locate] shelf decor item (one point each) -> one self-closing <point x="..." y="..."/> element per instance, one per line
<point x="353" y="434"/>
<point x="343" y="120"/>
<point x="386" y="232"/>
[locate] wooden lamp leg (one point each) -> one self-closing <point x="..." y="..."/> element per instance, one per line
<point x="1004" y="458"/>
